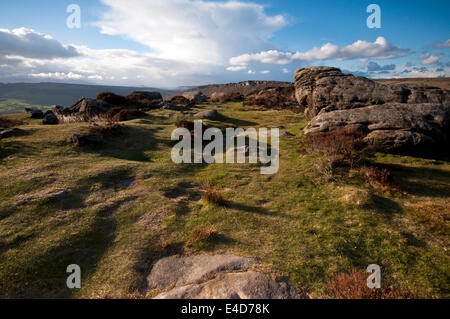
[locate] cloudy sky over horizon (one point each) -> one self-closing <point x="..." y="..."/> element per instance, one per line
<point x="169" y="43"/>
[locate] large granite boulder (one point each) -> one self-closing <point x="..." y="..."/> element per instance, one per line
<point x="393" y="117"/>
<point x="214" y="277"/>
<point x="391" y="126"/>
<point x="325" y="89"/>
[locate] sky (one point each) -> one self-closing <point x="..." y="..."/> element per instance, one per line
<point x="172" y="43"/>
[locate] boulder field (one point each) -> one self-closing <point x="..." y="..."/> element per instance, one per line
<point x="393" y="117"/>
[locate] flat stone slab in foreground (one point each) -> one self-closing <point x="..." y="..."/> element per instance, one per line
<point x="214" y="277"/>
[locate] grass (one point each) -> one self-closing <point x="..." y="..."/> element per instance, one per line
<point x="299" y="224"/>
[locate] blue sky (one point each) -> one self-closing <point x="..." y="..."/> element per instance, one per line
<point x="168" y="43"/>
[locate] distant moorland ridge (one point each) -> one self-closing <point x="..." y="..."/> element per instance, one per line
<point x="47" y="94"/>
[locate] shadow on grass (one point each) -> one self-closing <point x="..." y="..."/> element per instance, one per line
<point x="421" y="181"/>
<point x="385" y="206"/>
<point x="131" y="146"/>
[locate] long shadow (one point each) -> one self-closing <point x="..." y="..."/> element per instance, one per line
<point x="237" y="122"/>
<point x="248" y="209"/>
<point x="421" y="181"/>
<point x="131" y="146"/>
<point x="385" y="206"/>
<point x="46" y="275"/>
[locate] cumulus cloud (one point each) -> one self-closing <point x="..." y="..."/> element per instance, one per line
<point x="195" y="31"/>
<point x="373" y="67"/>
<point x="380" y="49"/>
<point x="428" y="59"/>
<point x="285" y="70"/>
<point x="236" y="68"/>
<point x="265" y="72"/>
<point x="251" y="72"/>
<point x="28" y="43"/>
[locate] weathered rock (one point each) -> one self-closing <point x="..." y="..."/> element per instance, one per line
<point x="246" y="285"/>
<point x="84" y="140"/>
<point x="325" y="89"/>
<point x="218" y="97"/>
<point x="34" y="113"/>
<point x="195" y="97"/>
<point x="83" y="106"/>
<point x="58" y="194"/>
<point x="178" y="271"/>
<point x="208" y="115"/>
<point x="50" y="119"/>
<point x="391" y="126"/>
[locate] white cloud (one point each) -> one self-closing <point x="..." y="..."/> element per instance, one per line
<point x="236" y="68"/>
<point x="380" y="49"/>
<point x="265" y="72"/>
<point x="28" y="43"/>
<point x="194" y="31"/>
<point x="428" y="59"/>
<point x="57" y="76"/>
<point x="251" y="72"/>
<point x="285" y="70"/>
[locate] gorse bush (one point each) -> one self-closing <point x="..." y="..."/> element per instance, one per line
<point x="353" y="285"/>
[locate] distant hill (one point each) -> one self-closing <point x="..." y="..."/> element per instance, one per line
<point x="245" y="88"/>
<point x="46" y="94"/>
<point x="443" y="83"/>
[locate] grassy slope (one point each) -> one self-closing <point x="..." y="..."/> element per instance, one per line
<point x="298" y="224"/>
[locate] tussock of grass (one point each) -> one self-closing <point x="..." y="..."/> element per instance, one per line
<point x="212" y="195"/>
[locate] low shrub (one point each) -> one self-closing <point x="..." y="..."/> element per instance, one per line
<point x="112" y="98"/>
<point x="201" y="234"/>
<point x="353" y="285"/>
<point x="117" y="114"/>
<point x="109" y="129"/>
<point x="374" y="174"/>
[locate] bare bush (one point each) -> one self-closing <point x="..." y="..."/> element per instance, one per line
<point x="374" y="174"/>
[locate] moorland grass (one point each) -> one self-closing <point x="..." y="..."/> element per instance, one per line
<point x="299" y="224"/>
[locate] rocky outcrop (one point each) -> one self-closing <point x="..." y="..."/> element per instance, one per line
<point x="83" y="106"/>
<point x="34" y="113"/>
<point x="214" y="277"/>
<point x="325" y="89"/>
<point x="390" y="126"/>
<point x="50" y="119"/>
<point x="393" y="118"/>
